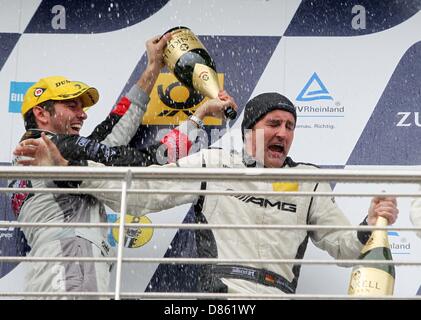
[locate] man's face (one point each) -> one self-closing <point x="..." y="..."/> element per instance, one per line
<point x="276" y="132"/>
<point x="68" y="117"/>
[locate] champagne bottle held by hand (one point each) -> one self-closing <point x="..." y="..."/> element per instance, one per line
<point x="374" y="279"/>
<point x="187" y="58"/>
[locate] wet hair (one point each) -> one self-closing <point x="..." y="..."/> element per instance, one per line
<point x="29" y="119"/>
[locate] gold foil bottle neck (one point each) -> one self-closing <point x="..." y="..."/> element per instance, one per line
<point x="205" y="80"/>
<point x="378" y="238"/>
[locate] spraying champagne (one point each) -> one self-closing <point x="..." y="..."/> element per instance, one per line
<point x="188" y="59"/>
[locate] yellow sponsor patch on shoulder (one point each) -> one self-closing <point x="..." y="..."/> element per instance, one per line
<point x="285" y="186"/>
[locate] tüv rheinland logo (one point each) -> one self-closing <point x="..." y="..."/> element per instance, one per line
<point x="398" y="243"/>
<point x="314" y="90"/>
<point x="316" y="101"/>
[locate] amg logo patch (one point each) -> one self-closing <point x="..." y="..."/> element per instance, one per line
<point x="262" y="202"/>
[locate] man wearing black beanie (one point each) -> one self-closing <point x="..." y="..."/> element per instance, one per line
<point x="264" y="103"/>
<point x="277" y="137"/>
<point x="268" y="131"/>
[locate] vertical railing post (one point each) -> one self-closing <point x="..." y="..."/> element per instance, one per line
<point x="121" y="233"/>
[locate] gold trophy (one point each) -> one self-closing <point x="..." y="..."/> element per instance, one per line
<point x="187" y="58"/>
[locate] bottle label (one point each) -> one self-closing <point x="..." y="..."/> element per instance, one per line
<point x="377" y="240"/>
<point x="182" y="41"/>
<point x="205" y="80"/>
<point x="371" y="282"/>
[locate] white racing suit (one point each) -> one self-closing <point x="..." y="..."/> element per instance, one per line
<point x="242" y="243"/>
<point x="118" y="129"/>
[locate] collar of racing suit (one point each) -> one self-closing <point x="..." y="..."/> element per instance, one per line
<point x="35" y="134"/>
<point x="251" y="162"/>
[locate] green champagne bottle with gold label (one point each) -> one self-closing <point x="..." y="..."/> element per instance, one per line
<point x="376" y="279"/>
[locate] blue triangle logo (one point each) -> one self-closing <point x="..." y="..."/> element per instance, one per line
<point x="314" y="90"/>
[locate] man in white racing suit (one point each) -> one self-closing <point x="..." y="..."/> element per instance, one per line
<point x="56" y="106"/>
<point x="273" y="117"/>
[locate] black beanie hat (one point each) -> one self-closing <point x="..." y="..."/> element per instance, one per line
<point x="261" y="105"/>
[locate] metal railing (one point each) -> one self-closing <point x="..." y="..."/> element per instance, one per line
<point x="127" y="175"/>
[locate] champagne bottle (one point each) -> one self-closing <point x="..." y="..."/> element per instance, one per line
<point x="378" y="279"/>
<point x="188" y="59"/>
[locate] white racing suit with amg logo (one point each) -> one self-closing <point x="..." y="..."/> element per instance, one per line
<point x="114" y="133"/>
<point x="246" y="243"/>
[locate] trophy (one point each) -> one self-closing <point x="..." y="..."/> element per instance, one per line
<point x="187" y="58"/>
